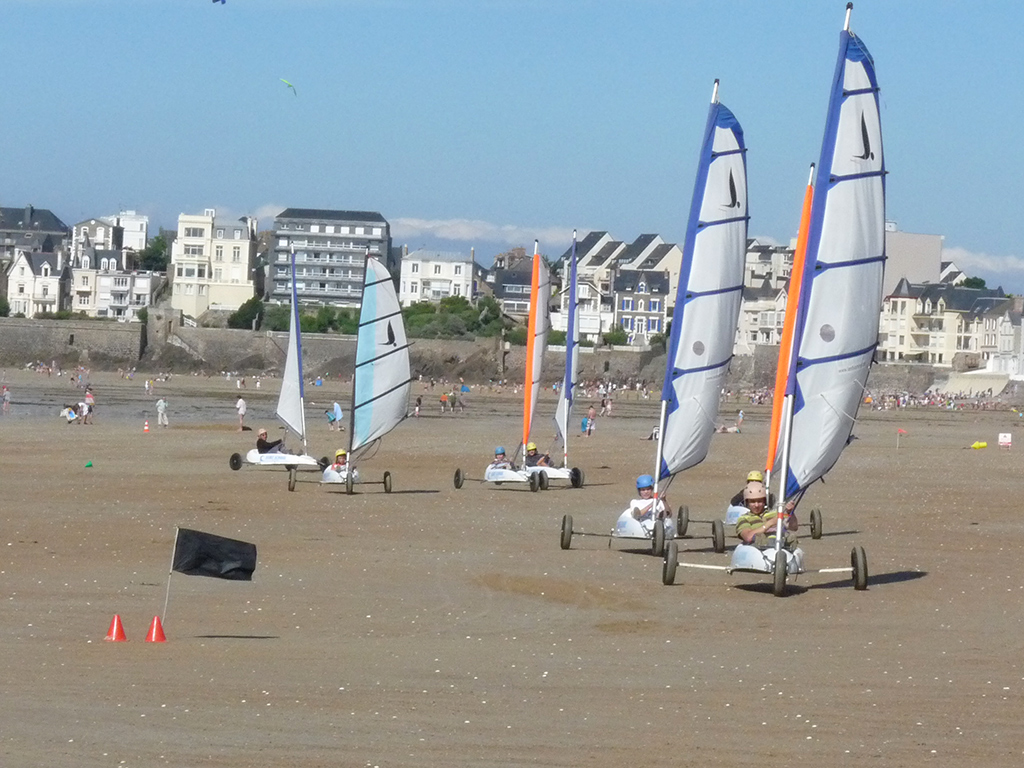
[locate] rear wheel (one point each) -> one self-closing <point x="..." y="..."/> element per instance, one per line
<point x="576" y="477"/>
<point x="235" y="462"/>
<point x="349" y="481"/>
<point x="779" y="585"/>
<point x="815" y="523"/>
<point x="566" y="539"/>
<point x="658" y="538"/>
<point x="293" y="476"/>
<point x="718" y="535"/>
<point x="324" y="463"/>
<point x="668" y="568"/>
<point x="387" y="482"/>
<point x="543" y="480"/>
<point x="859" y="561"/>
<point x="682" y="520"/>
<point x="534" y="482"/>
<point x="459" y="479"/>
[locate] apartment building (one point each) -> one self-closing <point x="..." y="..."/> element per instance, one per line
<point x="330" y="254"/>
<point x="435" y="275"/>
<point x="38" y="282"/>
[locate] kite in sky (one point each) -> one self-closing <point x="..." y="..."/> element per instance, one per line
<point x="290" y="86"/>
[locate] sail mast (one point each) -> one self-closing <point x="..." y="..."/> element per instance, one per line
<point x="788" y="326"/>
<point x="529" y="396"/>
<point x="355" y="361"/>
<point x="296" y="319"/>
<point x="571" y="356"/>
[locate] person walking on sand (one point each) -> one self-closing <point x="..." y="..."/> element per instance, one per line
<point x="240" y="407"/>
<point x="161" y="413"/>
<point x="7" y="399"/>
<point x="591" y="418"/>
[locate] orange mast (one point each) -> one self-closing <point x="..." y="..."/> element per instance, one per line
<point x="789" y="324"/>
<point x="531" y="341"/>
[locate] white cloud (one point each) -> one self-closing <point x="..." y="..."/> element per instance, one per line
<point x="472" y="230"/>
<point x="970" y="261"/>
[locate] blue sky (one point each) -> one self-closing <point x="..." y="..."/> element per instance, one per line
<point x="487" y="123"/>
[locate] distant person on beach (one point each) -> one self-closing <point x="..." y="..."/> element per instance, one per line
<point x="90" y="402"/>
<point x="591" y="418"/>
<point x="7" y="399"/>
<point x="534" y="459"/>
<point x="240" y="407"/>
<point x="500" y="462"/>
<point x="267" y="446"/>
<point x="161" y="413"/>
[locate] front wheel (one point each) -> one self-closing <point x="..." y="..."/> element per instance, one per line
<point x="387" y="482"/>
<point x="668" y="568"/>
<point x="293" y="476"/>
<point x="576" y="477"/>
<point x="658" y="538"/>
<point x="459" y="479"/>
<point x="718" y="536"/>
<point x="779" y="584"/>
<point x="349" y="481"/>
<point x="815" y="523"/>
<point x="859" y="561"/>
<point x="566" y="539"/>
<point x="682" y="520"/>
<point x="534" y="482"/>
<point x="543" y="480"/>
<point x="235" y="462"/>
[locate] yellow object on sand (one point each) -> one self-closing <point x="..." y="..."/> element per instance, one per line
<point x="978" y="444"/>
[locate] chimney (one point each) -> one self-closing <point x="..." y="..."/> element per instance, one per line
<point x="28" y="217"/>
<point x="472" y="255"/>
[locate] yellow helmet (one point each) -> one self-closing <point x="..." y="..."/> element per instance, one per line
<point x="755" y="477"/>
<point x="531" y="446"/>
<point x="340" y="452"/>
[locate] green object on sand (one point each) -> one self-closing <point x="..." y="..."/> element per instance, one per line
<point x="88" y="464"/>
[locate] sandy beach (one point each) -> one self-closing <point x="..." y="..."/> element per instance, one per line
<point x="442" y="627"/>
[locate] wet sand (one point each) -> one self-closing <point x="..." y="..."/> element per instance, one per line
<point x="432" y="626"/>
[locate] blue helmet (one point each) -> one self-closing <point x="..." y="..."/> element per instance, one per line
<point x="499" y="449"/>
<point x="644" y="481"/>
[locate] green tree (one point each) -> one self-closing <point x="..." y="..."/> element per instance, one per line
<point x="615" y="336"/>
<point x="973" y="282"/>
<point x="277" y="317"/>
<point x="556" y="338"/>
<point x="155" y="256"/>
<point x="517" y="336"/>
<point x="5" y="307"/>
<point x="243" y="317"/>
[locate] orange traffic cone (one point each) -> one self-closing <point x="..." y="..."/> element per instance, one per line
<point x="116" y="632"/>
<point x="156" y="632"/>
<point x="145" y="427"/>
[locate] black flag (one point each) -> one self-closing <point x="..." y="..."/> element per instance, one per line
<point x="204" y="554"/>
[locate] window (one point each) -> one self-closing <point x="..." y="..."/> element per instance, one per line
<point x="193" y="250"/>
<point x="358" y="230"/>
<point x="46" y="270"/>
<point x="627" y="305"/>
<point x="83" y="300"/>
<point x="194" y="231"/>
<point x="85" y="280"/>
<point x="314" y="227"/>
<point x="414" y="287"/>
<point x="238" y="234"/>
<point x="220" y="234"/>
<point x="236" y="254"/>
<point x="642" y="288"/>
<point x="188" y="289"/>
<point x="343" y="230"/>
<point x="458" y="269"/>
<point x="202" y="290"/>
<point x="218" y="253"/>
<point x="217" y="274"/>
<point x="627" y="323"/>
<point x="415" y="268"/>
<point x="654" y="324"/>
<point x="46" y="291"/>
<point x="85" y="262"/>
<point x="376" y="231"/>
<point x="99" y="233"/>
<point x="189" y="272"/>
<point x="458" y="289"/>
<point x="202" y="271"/>
<point x="329" y="229"/>
<point x="437" y="269"/>
<point x="640" y="305"/>
<point x="178" y="273"/>
<point x="655" y="305"/>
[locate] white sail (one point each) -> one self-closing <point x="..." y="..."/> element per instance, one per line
<point x="381" y="387"/>
<point x="840" y="301"/>
<point x="290" y="407"/>
<point x="708" y="296"/>
<point x="572" y="353"/>
<point x="537" y="339"/>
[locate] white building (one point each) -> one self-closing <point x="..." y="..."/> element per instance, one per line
<point x="37" y="282"/>
<point x="212" y="262"/>
<point x="135" y="228"/>
<point x="105" y="284"/>
<point x="435" y="275"/>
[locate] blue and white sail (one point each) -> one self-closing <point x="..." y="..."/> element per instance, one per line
<point x="708" y="296"/>
<point x="290" y="404"/>
<point x="841" y="295"/>
<point x="572" y="352"/>
<point x="380" y="397"/>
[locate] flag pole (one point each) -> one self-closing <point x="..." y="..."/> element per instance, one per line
<point x="167" y="596"/>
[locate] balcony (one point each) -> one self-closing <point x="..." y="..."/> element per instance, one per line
<point x="44" y="298"/>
